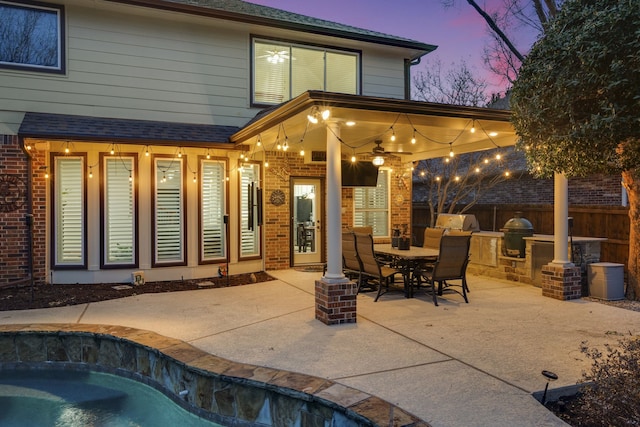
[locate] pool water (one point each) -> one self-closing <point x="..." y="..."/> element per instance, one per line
<point x="67" y="398"/>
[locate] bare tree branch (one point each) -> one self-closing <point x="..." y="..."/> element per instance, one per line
<point x="496" y="29"/>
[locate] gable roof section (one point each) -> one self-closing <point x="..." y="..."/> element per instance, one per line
<point x="242" y="11"/>
<point x="61" y="126"/>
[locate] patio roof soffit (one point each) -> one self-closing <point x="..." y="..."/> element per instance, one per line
<point x="439" y="127"/>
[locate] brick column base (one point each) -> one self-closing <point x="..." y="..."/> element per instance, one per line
<point x="561" y="282"/>
<point x="336" y="302"/>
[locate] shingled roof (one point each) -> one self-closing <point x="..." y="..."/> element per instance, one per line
<point x="243" y="11"/>
<point x="45" y="125"/>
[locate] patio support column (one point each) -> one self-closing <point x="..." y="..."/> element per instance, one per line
<point x="333" y="226"/>
<point x="335" y="294"/>
<point x="560" y="219"/>
<point x="560" y="278"/>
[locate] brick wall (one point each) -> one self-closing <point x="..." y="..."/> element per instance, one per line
<point x="596" y="190"/>
<point x="603" y="190"/>
<point x="277" y="222"/>
<point x="14" y="244"/>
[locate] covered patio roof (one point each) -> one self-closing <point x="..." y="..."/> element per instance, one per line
<point x="437" y="128"/>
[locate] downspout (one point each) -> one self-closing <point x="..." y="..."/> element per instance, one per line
<point x="29" y="215"/>
<point x="408" y="63"/>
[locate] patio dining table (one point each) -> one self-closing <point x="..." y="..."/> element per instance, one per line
<point x="407" y="260"/>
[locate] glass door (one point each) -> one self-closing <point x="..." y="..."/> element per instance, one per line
<point x="306" y="225"/>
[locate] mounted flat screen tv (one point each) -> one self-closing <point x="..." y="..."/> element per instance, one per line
<point x="359" y="174"/>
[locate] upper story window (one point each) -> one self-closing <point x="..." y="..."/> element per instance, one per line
<point x="32" y="36"/>
<point x="282" y="71"/>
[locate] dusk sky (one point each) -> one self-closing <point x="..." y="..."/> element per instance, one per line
<point x="459" y="32"/>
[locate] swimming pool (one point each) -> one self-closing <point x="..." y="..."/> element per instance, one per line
<point x="70" y="398"/>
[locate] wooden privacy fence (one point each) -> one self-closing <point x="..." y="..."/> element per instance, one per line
<point x="611" y="222"/>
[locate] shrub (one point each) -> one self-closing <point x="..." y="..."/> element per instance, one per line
<point x="611" y="396"/>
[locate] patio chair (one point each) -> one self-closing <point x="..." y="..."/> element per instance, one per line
<point x="451" y="265"/>
<point x="351" y="263"/>
<point x="371" y="267"/>
<point x="432" y="237"/>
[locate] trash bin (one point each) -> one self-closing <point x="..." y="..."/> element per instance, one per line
<point x="514" y="232"/>
<point x="606" y="280"/>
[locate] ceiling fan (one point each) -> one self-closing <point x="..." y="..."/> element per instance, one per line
<point x="379" y="153"/>
<point x="379" y="150"/>
<point x="276" y="56"/>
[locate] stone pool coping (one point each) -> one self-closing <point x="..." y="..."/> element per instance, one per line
<point x="176" y="366"/>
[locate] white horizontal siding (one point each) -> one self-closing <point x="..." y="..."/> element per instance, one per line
<point x="383" y="75"/>
<point x="141" y="67"/>
<point x="128" y="62"/>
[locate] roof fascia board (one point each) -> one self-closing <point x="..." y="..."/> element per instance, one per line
<point x="423" y="48"/>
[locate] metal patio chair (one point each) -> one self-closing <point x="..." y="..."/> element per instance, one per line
<point x="451" y="265"/>
<point x="371" y="266"/>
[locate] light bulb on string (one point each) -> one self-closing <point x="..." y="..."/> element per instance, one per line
<point x="473" y="126"/>
<point x="498" y="156"/>
<point x="451" y="149"/>
<point x="507" y="174"/>
<point x="194" y="178"/>
<point x="208" y="155"/>
<point x="113" y="151"/>
<point x="266" y="164"/>
<point x="130" y="177"/>
<point x="66" y="148"/>
<point x="302" y="152"/>
<point x="393" y="134"/>
<point x="353" y="159"/>
<point x="90" y="171"/>
<point x="146" y="151"/>
<point x="259" y="141"/>
<point x="413" y="138"/>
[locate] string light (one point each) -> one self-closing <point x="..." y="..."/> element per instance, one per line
<point x="208" y="155"/>
<point x="179" y="152"/>
<point x="413" y="138"/>
<point x="28" y="147"/>
<point x="451" y="149"/>
<point x="146" y="151"/>
<point x="393" y="134"/>
<point x="66" y="148"/>
<point x="266" y="164"/>
<point x="259" y="142"/>
<point x="507" y="174"/>
<point x="195" y="179"/>
<point x="473" y="126"/>
<point x="353" y="159"/>
<point x="498" y="156"/>
<point x="90" y="171"/>
<point x="113" y="150"/>
<point x="302" y="152"/>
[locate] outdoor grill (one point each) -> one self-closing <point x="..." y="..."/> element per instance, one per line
<point x="457" y="222"/>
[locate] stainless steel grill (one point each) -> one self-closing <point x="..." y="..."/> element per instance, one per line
<point x="458" y="222"/>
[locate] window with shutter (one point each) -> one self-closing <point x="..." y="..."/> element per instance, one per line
<point x="169" y="213"/>
<point x="69" y="212"/>
<point x="249" y="230"/>
<point x="212" y="210"/>
<point x="371" y="205"/>
<point x="119" y="210"/>
<point x="282" y="71"/>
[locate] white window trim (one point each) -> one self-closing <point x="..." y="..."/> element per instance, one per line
<point x="290" y="44"/>
<point x="387" y="177"/>
<point x="60" y="67"/>
<point x="58" y="261"/>
<point x="223" y="210"/>
<point x="129" y="164"/>
<point x="157" y="174"/>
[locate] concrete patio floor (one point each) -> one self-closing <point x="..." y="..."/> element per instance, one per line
<point x="456" y="364"/>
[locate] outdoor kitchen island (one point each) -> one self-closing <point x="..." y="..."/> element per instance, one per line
<point x="487" y="256"/>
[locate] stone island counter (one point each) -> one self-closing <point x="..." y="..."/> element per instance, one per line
<point x="488" y="258"/>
